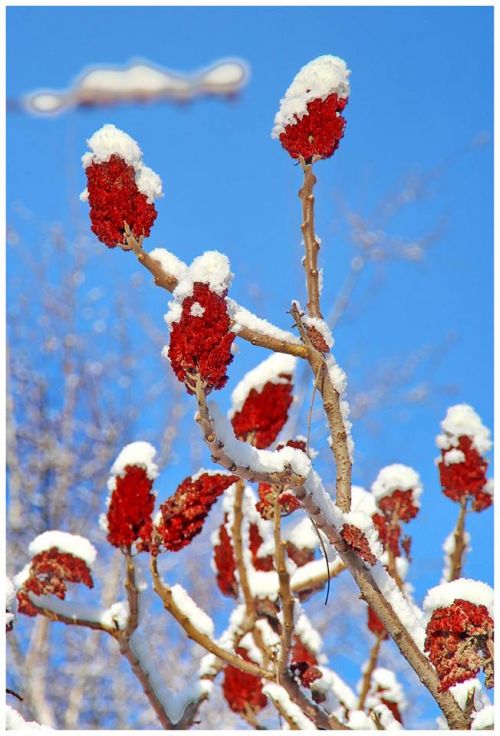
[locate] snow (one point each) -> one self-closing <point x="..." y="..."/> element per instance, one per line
<point x="198" y="618"/>
<point x="303" y="535"/>
<point x="397" y="477"/>
<point x="387" y="720"/>
<point x="402" y="566"/>
<point x="485" y="719"/>
<point x="461" y="420"/>
<point x="473" y="591"/>
<point x="71" y="544"/>
<point x="286" y="706"/>
<point x="169" y="262"/>
<point x="269" y="637"/>
<point x="10" y="601"/>
<point x="453" y="456"/>
<point x="335" y="690"/>
<point x="269" y="370"/>
<point x="321" y="326"/>
<point x="386" y="679"/>
<point x="136" y="454"/>
<point x="110" y="140"/>
<point x="197" y="310"/>
<point x="254" y="653"/>
<point x="359" y="721"/>
<point x="264" y="584"/>
<point x="313" y="569"/>
<point x="306" y="633"/>
<point x="461" y="692"/>
<point x="339" y="383"/>
<point x="316" y="80"/>
<point x="408" y="613"/>
<point x="243" y="318"/>
<point x="448" y="549"/>
<point x="211" y="268"/>
<point x="15" y="722"/>
<point x="116" y="616"/>
<point x="362" y="500"/>
<point x="245" y="455"/>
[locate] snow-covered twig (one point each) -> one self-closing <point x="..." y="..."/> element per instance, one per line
<point x="287" y="605"/>
<point x="195" y="633"/>
<point x="238" y="549"/>
<point x="252" y="335"/>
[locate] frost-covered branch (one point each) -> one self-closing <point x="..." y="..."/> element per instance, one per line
<point x="202" y="636"/>
<point x="287" y="605"/>
<point x="247" y="462"/>
<point x="387" y="605"/>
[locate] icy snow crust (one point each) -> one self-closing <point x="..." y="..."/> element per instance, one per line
<point x="269" y="371"/>
<point x="316" y="80"/>
<point x="71" y="544"/>
<point x="397" y="478"/>
<point x="464" y="589"/>
<point x="244" y="318"/>
<point x="110" y="140"/>
<point x="461" y="420"/>
<point x="280" y="696"/>
<point x="198" y="618"/>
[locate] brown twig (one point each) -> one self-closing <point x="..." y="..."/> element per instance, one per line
<point x="367" y="675"/>
<point x="371" y="593"/>
<point x="132" y="596"/>
<point x="331" y="405"/>
<point x="311" y="243"/>
<point x="286" y="478"/>
<point x="238" y="550"/>
<point x="286" y="597"/>
<point x="165" y="593"/>
<point x="460" y="545"/>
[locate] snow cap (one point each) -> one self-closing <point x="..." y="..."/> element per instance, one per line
<point x="461" y="420"/>
<point x="316" y="80"/>
<point x="473" y="591"/>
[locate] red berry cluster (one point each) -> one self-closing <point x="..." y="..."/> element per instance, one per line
<point x="317" y="339"/>
<point x="303" y="663"/>
<point x="319" y="132"/>
<point x="456" y="641"/>
<point x="130" y="509"/>
<point x="183" y="514"/>
<point x="390" y="704"/>
<point x="398" y="507"/>
<point x="114" y="198"/>
<point x="264" y="413"/>
<point x="242" y="691"/>
<point x="357" y="541"/>
<point x="49" y="572"/>
<point x="224" y="562"/>
<point x="465" y="479"/>
<point x="202" y="344"/>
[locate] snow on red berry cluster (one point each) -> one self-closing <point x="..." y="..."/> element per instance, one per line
<point x="396" y="491"/>
<point x="464" y="441"/>
<point x="309" y="122"/>
<point x="262" y="399"/>
<point x="131" y="501"/>
<point x="201" y="337"/>
<point x="459" y="631"/>
<point x="120" y="188"/>
<point x="57" y="558"/>
<point x="182" y="516"/>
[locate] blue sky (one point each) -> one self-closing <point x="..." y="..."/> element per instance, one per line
<point x="421" y="95"/>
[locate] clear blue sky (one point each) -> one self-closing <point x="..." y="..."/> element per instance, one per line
<point x="421" y="93"/>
